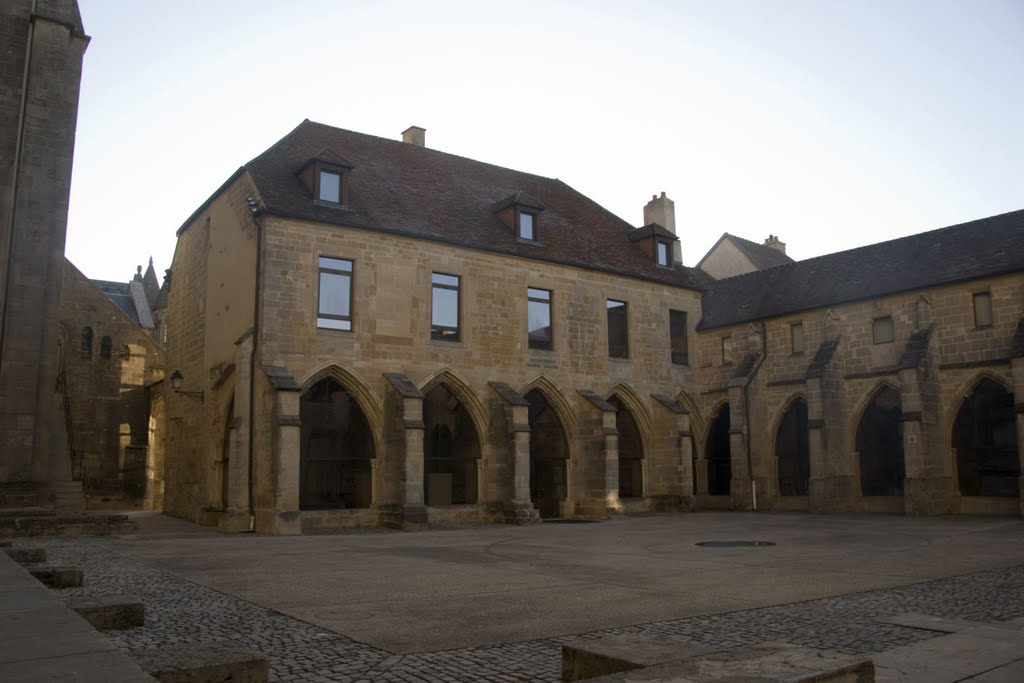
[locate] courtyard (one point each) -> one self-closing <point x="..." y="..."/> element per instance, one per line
<point x="497" y="602"/>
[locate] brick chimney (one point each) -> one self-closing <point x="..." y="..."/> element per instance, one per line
<point x="415" y="135"/>
<point x="662" y="210"/>
<point x="775" y="243"/>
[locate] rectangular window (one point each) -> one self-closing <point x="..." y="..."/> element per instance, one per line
<point x="982" y="309"/>
<point x="444" y="308"/>
<point x="677" y="336"/>
<point x="726" y="350"/>
<point x="796" y="337"/>
<point x="538" y="319"/>
<point x="618" y="329"/>
<point x="663" y="253"/>
<point x="527" y="226"/>
<point x="335" y="308"/>
<point x="329" y="187"/>
<point x="883" y="331"/>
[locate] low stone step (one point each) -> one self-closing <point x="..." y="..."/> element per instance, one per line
<point x="110" y="612"/>
<point x="27" y="511"/>
<point x="204" y="663"/>
<point x="58" y="577"/>
<point x="26" y="555"/>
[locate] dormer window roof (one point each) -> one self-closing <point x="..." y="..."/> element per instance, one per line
<point x="657" y="241"/>
<point x="521" y="212"/>
<point x="324" y="176"/>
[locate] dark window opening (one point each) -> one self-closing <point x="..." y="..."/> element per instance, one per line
<point x="549" y="457"/>
<point x="631" y="452"/>
<point x="538" y="316"/>
<point x="86" y="341"/>
<point x="718" y="453"/>
<point x="985" y="439"/>
<point x="106" y="347"/>
<point x="335" y="301"/>
<point x="677" y="336"/>
<point x="880" y="446"/>
<point x="451" y="450"/>
<point x="618" y="329"/>
<point x="336" y="450"/>
<point x="444" y="309"/>
<point x="792" y="451"/>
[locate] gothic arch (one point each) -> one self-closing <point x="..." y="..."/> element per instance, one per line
<point x="717" y="451"/>
<point x="636" y="407"/>
<point x="360" y="391"/>
<point x="791" y="448"/>
<point x="857" y="415"/>
<point x="983" y="435"/>
<point x="964" y="391"/>
<point x="878" y="442"/>
<point x="709" y="423"/>
<point x="557" y="400"/>
<point x="781" y="413"/>
<point x="467" y="397"/>
<point x="696" y="423"/>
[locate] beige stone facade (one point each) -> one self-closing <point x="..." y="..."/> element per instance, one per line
<point x="321" y="388"/>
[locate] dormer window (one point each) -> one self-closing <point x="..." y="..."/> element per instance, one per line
<point x="527" y="226"/>
<point x="657" y="243"/>
<point x="663" y="253"/>
<point x="328" y="186"/>
<point x="521" y="213"/>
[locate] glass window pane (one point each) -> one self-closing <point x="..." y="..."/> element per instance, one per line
<point x="662" y="253"/>
<point x="336" y="264"/>
<point x="539" y="319"/>
<point x="442" y="279"/>
<point x="335" y="294"/>
<point x="542" y="294"/>
<point x="526" y="226"/>
<point x="332" y="324"/>
<point x="618" y="337"/>
<point x="330" y="187"/>
<point x="677" y="333"/>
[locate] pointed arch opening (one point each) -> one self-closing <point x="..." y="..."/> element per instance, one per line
<point x="792" y="450"/>
<point x="718" y="453"/>
<point x="879" y="445"/>
<point x="549" y="456"/>
<point x="451" y="449"/>
<point x="631" y="450"/>
<point x="337" y="449"/>
<point x="985" y="439"/>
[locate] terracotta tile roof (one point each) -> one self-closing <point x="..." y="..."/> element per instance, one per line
<point x="405" y="189"/>
<point x="982" y="248"/>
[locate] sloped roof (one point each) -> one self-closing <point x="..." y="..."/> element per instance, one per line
<point x="981" y="248"/>
<point x="760" y="255"/>
<point x="119" y="294"/>
<point x="405" y="189"/>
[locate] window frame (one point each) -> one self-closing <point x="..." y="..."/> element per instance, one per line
<point x="875" y="337"/>
<point x="540" y="345"/>
<point x="436" y="330"/>
<point x="318" y="170"/>
<point x="793" y="327"/>
<point x="685" y="338"/>
<point x="727" y="349"/>
<point x="534" y="225"/>
<point x="975" y="297"/>
<point x="321" y="315"/>
<point x="658" y="245"/>
<point x="616" y="352"/>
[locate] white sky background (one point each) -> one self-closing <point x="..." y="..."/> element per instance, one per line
<point x="831" y="124"/>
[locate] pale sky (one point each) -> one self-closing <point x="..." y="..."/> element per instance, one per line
<point x="832" y="124"/>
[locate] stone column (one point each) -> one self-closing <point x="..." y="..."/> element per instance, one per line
<point x="739" y="486"/>
<point x="409" y="511"/>
<point x="612" y="504"/>
<point x="686" y="461"/>
<point x="517" y="416"/>
<point x="927" y="487"/>
<point x="287" y="453"/>
<point x="235" y="516"/>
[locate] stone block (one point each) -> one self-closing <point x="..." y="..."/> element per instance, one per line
<point x="592" y="658"/>
<point x="26" y="555"/>
<point x="58" y="577"/>
<point x="206" y="663"/>
<point x="110" y="612"/>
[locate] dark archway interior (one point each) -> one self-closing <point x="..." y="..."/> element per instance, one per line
<point x="880" y="446"/>
<point x="549" y="456"/>
<point x="793" y="451"/>
<point x="718" y="453"/>
<point x="451" y="450"/>
<point x="985" y="439"/>
<point x="631" y="452"/>
<point x="336" y="451"/>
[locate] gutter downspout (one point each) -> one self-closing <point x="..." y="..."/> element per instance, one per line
<point x="256" y="214"/>
<point x="16" y="172"/>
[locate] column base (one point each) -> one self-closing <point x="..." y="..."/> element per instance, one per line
<point x="832" y="494"/>
<point x="669" y="503"/>
<point x="279" y="522"/>
<point x="928" y="496"/>
<point x="741" y="494"/>
<point x="405" y="517"/>
<point x="233" y="521"/>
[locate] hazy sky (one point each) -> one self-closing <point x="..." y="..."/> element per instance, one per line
<point x="830" y="123"/>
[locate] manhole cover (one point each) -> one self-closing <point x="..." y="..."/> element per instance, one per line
<point x="734" y="544"/>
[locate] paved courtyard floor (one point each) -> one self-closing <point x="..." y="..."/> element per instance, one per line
<point x="496" y="603"/>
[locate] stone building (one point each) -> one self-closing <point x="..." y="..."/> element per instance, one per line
<point x="42" y="43"/>
<point x="363" y="331"/>
<point x="732" y="255"/>
<point x="109" y="363"/>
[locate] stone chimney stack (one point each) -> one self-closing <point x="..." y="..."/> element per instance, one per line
<point x="415" y="135"/>
<point x="775" y="243"/>
<point x="661" y="210"/>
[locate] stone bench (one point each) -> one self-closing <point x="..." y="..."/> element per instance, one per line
<point x="110" y="612"/>
<point x="207" y="663"/>
<point x="644" y="658"/>
<point x="26" y="555"/>
<point x="57" y="577"/>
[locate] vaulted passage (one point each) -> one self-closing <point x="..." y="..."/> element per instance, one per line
<point x="549" y="457"/>
<point x="451" y="450"/>
<point x="793" y="451"/>
<point x="718" y="454"/>
<point x="336" y="451"/>
<point x="880" y="446"/>
<point x="985" y="439"/>
<point x="631" y="452"/>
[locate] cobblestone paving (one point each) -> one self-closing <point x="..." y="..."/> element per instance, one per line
<point x="178" y="611"/>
